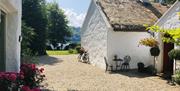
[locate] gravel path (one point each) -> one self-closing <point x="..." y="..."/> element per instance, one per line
<point x="64" y="73"/>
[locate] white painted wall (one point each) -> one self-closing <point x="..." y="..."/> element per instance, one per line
<point x="126" y="43"/>
<point x="13" y="30"/>
<point x="169" y="20"/>
<point x="94" y="36"/>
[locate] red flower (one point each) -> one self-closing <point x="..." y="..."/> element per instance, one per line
<point x="12" y="77"/>
<point x="36" y="89"/>
<point x="22" y="76"/>
<point x="33" y="66"/>
<point x="25" y="88"/>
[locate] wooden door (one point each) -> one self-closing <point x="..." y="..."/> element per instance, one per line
<point x="167" y="63"/>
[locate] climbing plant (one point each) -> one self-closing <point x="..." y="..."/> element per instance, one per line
<point x="168" y="35"/>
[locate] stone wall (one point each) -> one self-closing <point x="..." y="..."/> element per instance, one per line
<point x="94" y="36"/>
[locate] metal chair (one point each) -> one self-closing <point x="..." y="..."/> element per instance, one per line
<point x="125" y="65"/>
<point x="107" y="65"/>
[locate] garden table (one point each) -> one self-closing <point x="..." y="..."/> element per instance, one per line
<point x="118" y="62"/>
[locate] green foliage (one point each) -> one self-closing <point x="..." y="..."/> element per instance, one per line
<point x="34" y="15"/>
<point x="27" y="35"/>
<point x="71" y="51"/>
<point x="150" y="42"/>
<point x="177" y="77"/>
<point x="155" y="51"/>
<point x="151" y="70"/>
<point x="61" y="52"/>
<point x="58" y="29"/>
<point x="169" y="35"/>
<point x="174" y="54"/>
<point x="29" y="60"/>
<point x="42" y="22"/>
<point x="78" y="49"/>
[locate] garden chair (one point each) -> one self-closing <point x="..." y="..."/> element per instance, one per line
<point x="125" y="65"/>
<point x="108" y="65"/>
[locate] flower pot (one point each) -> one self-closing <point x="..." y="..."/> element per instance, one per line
<point x="155" y="51"/>
<point x="140" y="67"/>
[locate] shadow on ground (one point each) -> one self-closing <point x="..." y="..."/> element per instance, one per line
<point x="132" y="73"/>
<point x="135" y="73"/>
<point x="49" y="60"/>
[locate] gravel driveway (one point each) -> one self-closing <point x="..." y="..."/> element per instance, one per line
<point x="64" y="73"/>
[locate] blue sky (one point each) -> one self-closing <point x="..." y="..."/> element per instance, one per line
<point x="75" y="10"/>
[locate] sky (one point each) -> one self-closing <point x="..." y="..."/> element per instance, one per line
<point x="75" y="10"/>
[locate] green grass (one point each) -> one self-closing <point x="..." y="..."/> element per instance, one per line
<point x="57" y="52"/>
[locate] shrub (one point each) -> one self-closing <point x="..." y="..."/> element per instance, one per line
<point x="28" y="79"/>
<point x="71" y="51"/>
<point x="151" y="70"/>
<point x="177" y="77"/>
<point x="8" y="80"/>
<point x="174" y="54"/>
<point x="78" y="49"/>
<point x="29" y="60"/>
<point x="32" y="75"/>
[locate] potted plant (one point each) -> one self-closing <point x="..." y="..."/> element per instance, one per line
<point x="174" y="55"/>
<point x="140" y="67"/>
<point x="153" y="44"/>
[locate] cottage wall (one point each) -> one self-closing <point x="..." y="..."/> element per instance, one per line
<point x="126" y="43"/>
<point x="12" y="8"/>
<point x="94" y="36"/>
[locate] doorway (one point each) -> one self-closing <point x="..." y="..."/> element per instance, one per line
<point x="2" y="40"/>
<point x="167" y="63"/>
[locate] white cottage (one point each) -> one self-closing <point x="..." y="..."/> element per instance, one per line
<point x="114" y="27"/>
<point x="10" y="31"/>
<point x="169" y="20"/>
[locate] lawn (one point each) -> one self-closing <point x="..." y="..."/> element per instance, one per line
<point x="59" y="52"/>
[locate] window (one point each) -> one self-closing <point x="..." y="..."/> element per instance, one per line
<point x="2" y="40"/>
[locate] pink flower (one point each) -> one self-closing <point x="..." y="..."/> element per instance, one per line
<point x="41" y="70"/>
<point x="22" y="76"/>
<point x="25" y="88"/>
<point x="12" y="77"/>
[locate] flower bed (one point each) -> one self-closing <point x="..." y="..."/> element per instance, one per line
<point x="28" y="79"/>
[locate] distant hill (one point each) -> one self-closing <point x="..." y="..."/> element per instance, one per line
<point x="76" y="38"/>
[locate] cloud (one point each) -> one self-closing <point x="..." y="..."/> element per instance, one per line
<point x="74" y="18"/>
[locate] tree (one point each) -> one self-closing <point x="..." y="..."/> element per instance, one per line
<point x="34" y="15"/>
<point x="27" y="34"/>
<point x="58" y="29"/>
